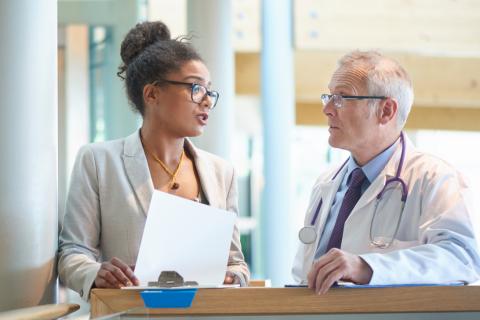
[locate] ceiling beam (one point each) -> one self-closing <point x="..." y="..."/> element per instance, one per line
<point x="447" y="90"/>
<point x="434" y="118"/>
<point x="428" y="27"/>
<point x="438" y="81"/>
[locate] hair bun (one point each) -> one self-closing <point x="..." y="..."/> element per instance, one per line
<point x="140" y="37"/>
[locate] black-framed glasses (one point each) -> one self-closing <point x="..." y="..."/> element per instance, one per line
<point x="198" y="92"/>
<point x="338" y="99"/>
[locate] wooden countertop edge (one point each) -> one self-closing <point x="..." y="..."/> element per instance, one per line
<point x="271" y="301"/>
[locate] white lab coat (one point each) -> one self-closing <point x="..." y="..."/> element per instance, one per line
<point x="435" y="242"/>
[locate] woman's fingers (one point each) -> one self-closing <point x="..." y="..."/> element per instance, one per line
<point x="115" y="274"/>
<point x="105" y="279"/>
<point x="127" y="272"/>
<point x="231" y="278"/>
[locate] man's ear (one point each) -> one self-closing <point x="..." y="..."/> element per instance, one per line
<point x="150" y="93"/>
<point x="388" y="110"/>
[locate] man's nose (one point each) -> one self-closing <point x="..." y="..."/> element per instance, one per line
<point x="329" y="108"/>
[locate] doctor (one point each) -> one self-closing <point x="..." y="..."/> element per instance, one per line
<point x="390" y="214"/>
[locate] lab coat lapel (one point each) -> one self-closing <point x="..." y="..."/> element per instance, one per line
<point x="325" y="191"/>
<point x="137" y="170"/>
<point x="377" y="185"/>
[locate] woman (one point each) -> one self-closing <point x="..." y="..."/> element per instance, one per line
<point x="112" y="182"/>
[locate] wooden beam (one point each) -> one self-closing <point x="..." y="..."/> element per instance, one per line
<point x="438" y="81"/>
<point x="447" y="90"/>
<point x="46" y="311"/>
<point x="99" y="306"/>
<point x="247" y="73"/>
<point x="291" y="301"/>
<point x="430" y="27"/>
<point x="461" y="119"/>
<point x="436" y="118"/>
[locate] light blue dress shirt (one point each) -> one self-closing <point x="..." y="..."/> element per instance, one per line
<point x="371" y="170"/>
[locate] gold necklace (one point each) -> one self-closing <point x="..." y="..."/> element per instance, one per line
<point x="173" y="175"/>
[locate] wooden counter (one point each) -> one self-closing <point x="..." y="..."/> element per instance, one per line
<point x="284" y="301"/>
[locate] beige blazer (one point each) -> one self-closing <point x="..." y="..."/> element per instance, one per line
<point x="107" y="205"/>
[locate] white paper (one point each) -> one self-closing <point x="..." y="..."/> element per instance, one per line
<point x="222" y="286"/>
<point x="185" y="236"/>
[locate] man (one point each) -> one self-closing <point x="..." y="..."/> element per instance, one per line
<point x="391" y="214"/>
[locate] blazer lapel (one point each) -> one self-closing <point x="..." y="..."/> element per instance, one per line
<point x="206" y="174"/>
<point x="136" y="167"/>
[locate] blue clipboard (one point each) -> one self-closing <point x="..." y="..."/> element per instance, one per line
<point x="165" y="298"/>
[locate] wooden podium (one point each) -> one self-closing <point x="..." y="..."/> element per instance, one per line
<point x="298" y="301"/>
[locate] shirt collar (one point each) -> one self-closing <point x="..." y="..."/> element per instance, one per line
<point x="373" y="168"/>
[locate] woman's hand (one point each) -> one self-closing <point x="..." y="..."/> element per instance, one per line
<point x="231" y="278"/>
<point x="115" y="274"/>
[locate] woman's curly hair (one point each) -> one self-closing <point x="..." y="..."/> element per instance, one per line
<point x="149" y="54"/>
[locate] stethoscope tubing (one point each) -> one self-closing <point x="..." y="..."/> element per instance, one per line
<point x="378" y="198"/>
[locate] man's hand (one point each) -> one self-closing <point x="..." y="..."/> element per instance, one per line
<point x="338" y="265"/>
<point x="115" y="274"/>
<point x="231" y="278"/>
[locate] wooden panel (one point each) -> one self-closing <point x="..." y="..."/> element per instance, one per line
<point x="451" y="86"/>
<point x="270" y="301"/>
<point x="247" y="73"/>
<point x="437" y="27"/>
<point x="98" y="306"/>
<point x="438" y="118"/>
<point x="445" y="82"/>
<point x="313" y="70"/>
<point x="46" y="311"/>
<point x="257" y="283"/>
<point x="246" y="25"/>
<point x="462" y="119"/>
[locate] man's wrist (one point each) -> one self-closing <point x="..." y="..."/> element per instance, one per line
<point x="366" y="272"/>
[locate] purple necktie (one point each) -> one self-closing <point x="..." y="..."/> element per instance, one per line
<point x="349" y="201"/>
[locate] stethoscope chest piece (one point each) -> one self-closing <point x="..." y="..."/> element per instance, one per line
<point x="307" y="235"/>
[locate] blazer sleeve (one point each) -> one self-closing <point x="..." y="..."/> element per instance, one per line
<point x="79" y="236"/>
<point x="236" y="261"/>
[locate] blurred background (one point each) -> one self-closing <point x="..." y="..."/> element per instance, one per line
<point x="271" y="61"/>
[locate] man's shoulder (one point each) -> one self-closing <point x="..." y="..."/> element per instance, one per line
<point x="425" y="165"/>
<point x="420" y="159"/>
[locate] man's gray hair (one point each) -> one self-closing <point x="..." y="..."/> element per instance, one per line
<point x="385" y="77"/>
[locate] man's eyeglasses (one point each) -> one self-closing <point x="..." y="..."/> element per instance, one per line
<point x="198" y="92"/>
<point x="338" y="99"/>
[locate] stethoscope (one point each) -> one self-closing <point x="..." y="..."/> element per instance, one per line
<point x="308" y="234"/>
